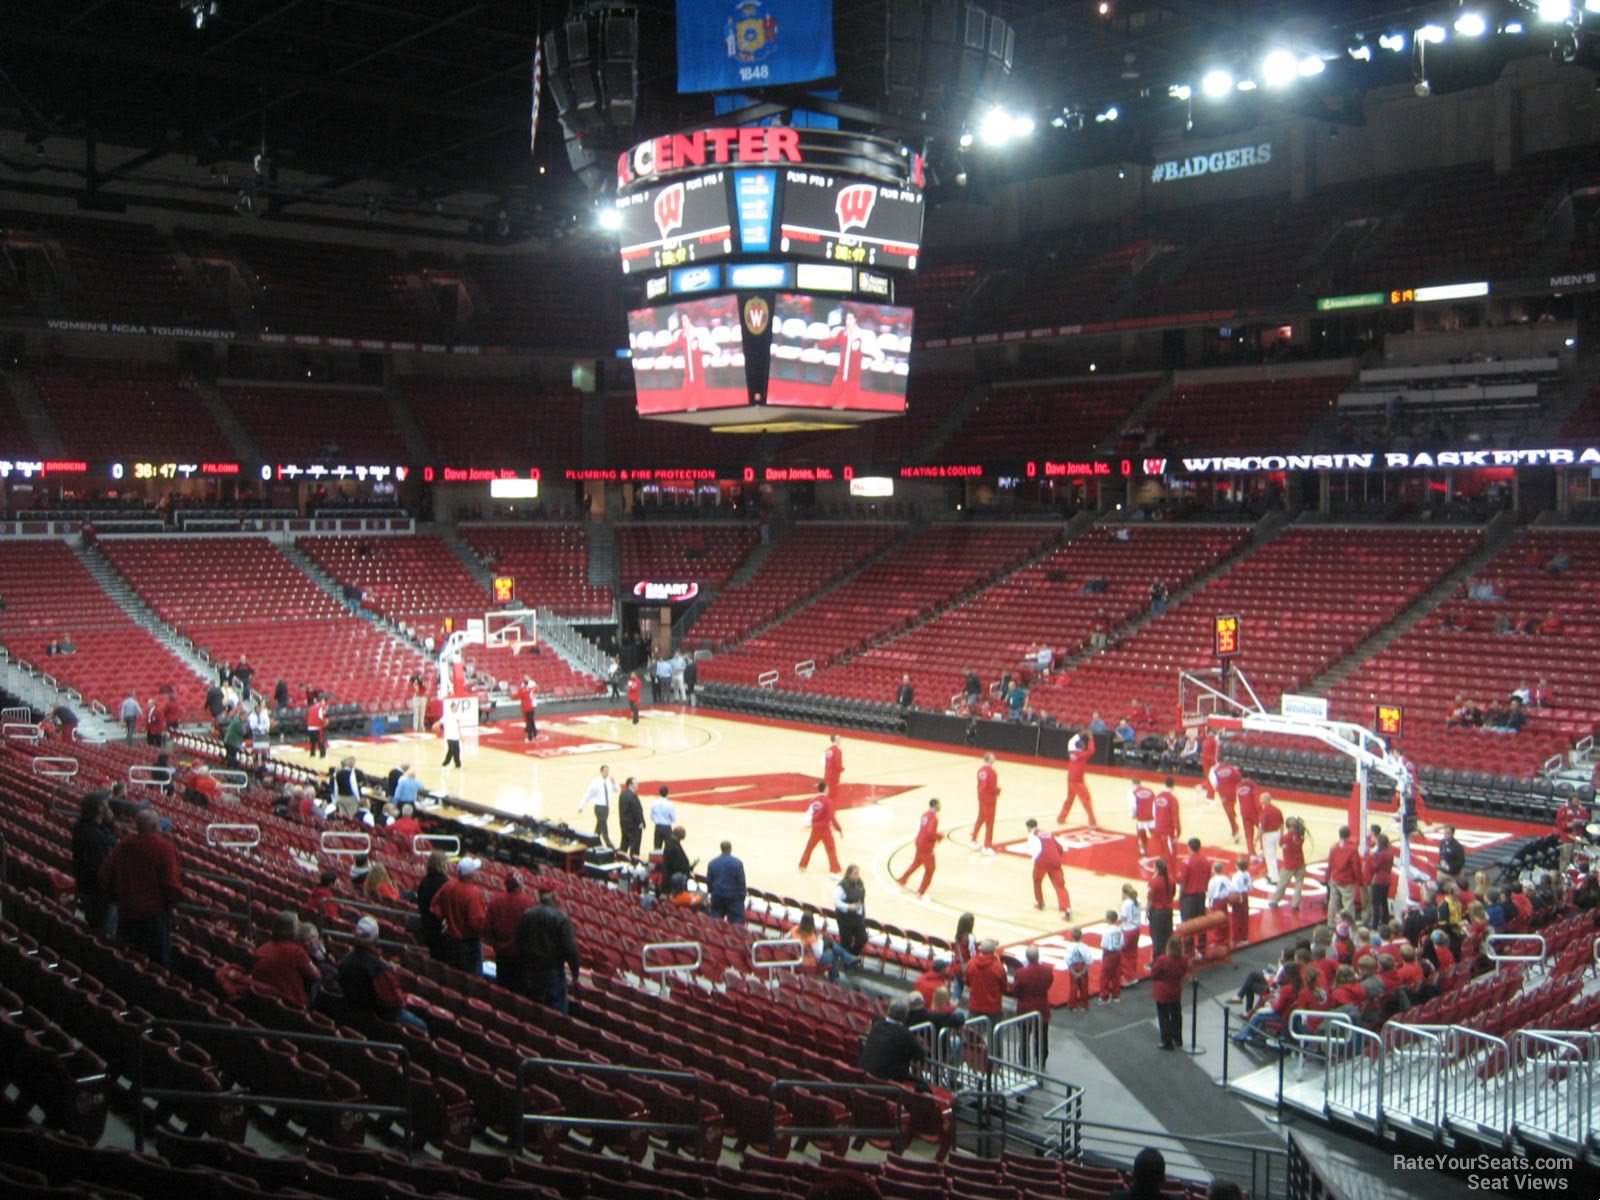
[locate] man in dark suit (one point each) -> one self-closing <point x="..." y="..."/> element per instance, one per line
<point x="891" y="1049"/>
<point x="631" y="814"/>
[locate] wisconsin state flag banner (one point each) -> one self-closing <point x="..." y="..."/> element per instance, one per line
<point x="726" y="45"/>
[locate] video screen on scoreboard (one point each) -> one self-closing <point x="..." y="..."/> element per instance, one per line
<point x="840" y="219"/>
<point x="845" y="354"/>
<point x="688" y="356"/>
<point x="676" y="224"/>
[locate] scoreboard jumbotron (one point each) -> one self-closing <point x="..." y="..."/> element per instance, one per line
<point x="767" y="259"/>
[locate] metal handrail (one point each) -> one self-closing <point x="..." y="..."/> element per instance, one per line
<point x="768" y="679"/>
<point x="424" y="844"/>
<point x="1565" y="1067"/>
<point x="1262" y="1183"/>
<point x="1465" y="1095"/>
<point x="51" y="766"/>
<point x="893" y="1091"/>
<point x="1412" y="1080"/>
<point x="337" y="835"/>
<point x="142" y="775"/>
<point x="17" y="713"/>
<point x="671" y="968"/>
<point x="519" y="1127"/>
<point x="231" y="780"/>
<point x="406" y="1111"/>
<point x="229" y="843"/>
<point x="1494" y="939"/>
<point x="775" y="964"/>
<point x="22" y="731"/>
<point x="805" y="668"/>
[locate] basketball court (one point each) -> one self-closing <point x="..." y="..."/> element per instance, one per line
<point x="750" y="782"/>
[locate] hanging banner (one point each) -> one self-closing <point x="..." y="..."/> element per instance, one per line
<point x="726" y="45"/>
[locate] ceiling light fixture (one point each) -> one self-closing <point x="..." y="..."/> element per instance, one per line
<point x="1278" y="68"/>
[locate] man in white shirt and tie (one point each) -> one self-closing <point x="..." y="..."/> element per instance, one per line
<point x="602" y="791"/>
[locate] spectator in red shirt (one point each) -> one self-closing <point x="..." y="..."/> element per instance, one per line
<point x="1158" y="910"/>
<point x="1344" y="877"/>
<point x="406" y="826"/>
<point x="282" y="964"/>
<point x="1166" y="989"/>
<point x="1193" y="876"/>
<point x="1379" y="873"/>
<point x="155" y="722"/>
<point x="1409" y="973"/>
<point x="145" y="876"/>
<point x="1032" y="988"/>
<point x="931" y="980"/>
<point x="1521" y="905"/>
<point x="1271" y="1017"/>
<point x="1572" y="818"/>
<point x="203" y="788"/>
<point x="322" y="900"/>
<point x="1443" y="956"/>
<point x="505" y="913"/>
<point x="986" y="982"/>
<point x="461" y="907"/>
<point x="1347" y="995"/>
<point x="378" y="887"/>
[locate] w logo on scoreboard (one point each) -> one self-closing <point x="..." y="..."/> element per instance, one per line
<point x="854" y="206"/>
<point x="669" y="209"/>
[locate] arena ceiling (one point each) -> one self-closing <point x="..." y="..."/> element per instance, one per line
<point x="406" y="104"/>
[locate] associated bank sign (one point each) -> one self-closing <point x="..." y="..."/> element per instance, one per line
<point x="1236" y="159"/>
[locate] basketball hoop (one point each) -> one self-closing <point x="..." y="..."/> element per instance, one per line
<point x="515" y="627"/>
<point x="1223" y="700"/>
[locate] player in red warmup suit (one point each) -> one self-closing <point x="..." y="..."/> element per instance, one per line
<point x="1046" y="854"/>
<point x="823" y="822"/>
<point x="1210" y="749"/>
<point x="1142" y="808"/>
<point x="1249" y="812"/>
<point x="833" y="764"/>
<point x="927" y="839"/>
<point x="1225" y="779"/>
<point x="1077" y="786"/>
<point x="1168" y="824"/>
<point x="988" y="797"/>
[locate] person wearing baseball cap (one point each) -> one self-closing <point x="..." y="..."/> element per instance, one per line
<point x="464" y="911"/>
<point x="371" y="987"/>
<point x="547" y="948"/>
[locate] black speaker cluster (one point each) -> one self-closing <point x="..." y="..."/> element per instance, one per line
<point x="944" y="58"/>
<point x="592" y="62"/>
